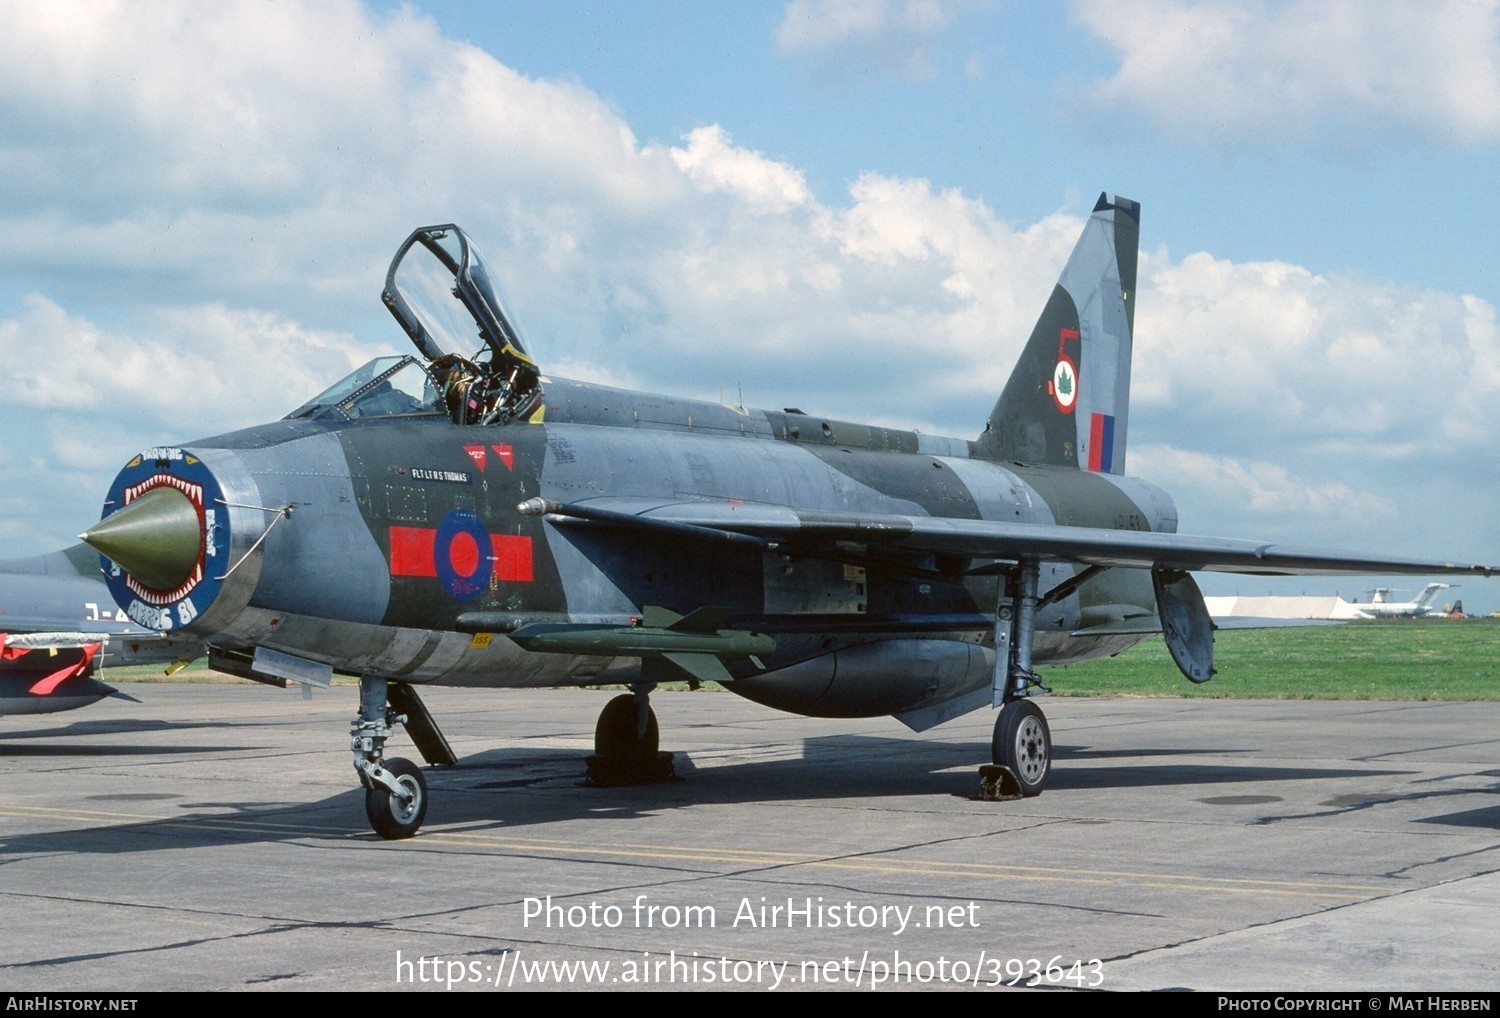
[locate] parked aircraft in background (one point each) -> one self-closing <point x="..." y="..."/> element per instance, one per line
<point x="1380" y="605"/>
<point x="59" y="625"/>
<point x="49" y="672"/>
<point x="460" y="518"/>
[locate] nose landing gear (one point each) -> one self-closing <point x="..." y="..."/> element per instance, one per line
<point x="395" y="789"/>
<point x="396" y="814"/>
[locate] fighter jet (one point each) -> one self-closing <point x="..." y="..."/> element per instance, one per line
<point x="59" y="626"/>
<point x="459" y="517"/>
<point x="44" y="673"/>
<point x="56" y="623"/>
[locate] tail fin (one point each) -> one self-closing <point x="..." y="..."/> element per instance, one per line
<point x="1068" y="401"/>
<point x="1429" y="595"/>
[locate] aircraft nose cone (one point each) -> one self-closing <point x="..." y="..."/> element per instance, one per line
<point x="155" y="538"/>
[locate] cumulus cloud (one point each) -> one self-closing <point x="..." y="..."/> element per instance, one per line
<point x="177" y="369"/>
<point x="79" y="397"/>
<point x="894" y="37"/>
<point x="1279" y="357"/>
<point x="213" y="256"/>
<point x="710" y="160"/>
<point x="1263" y="489"/>
<point x="1335" y="73"/>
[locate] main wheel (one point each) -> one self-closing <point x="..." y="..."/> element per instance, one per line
<point x="615" y="734"/>
<point x="394" y="817"/>
<point x="1023" y="743"/>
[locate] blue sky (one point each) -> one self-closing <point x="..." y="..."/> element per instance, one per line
<point x="990" y="109"/>
<point x="852" y="206"/>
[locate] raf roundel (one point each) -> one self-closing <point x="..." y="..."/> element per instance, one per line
<point x="462" y="554"/>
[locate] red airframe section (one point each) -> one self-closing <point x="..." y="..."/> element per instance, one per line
<point x="512" y="557"/>
<point x="411" y="551"/>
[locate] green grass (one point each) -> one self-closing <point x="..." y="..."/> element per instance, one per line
<point x="1428" y="659"/>
<point x="198" y="671"/>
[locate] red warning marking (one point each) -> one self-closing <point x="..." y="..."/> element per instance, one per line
<point x="507" y="455"/>
<point x="411" y="551"/>
<point x="476" y="453"/>
<point x="512" y="557"/>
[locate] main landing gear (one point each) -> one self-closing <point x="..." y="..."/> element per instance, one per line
<point x="1022" y="744"/>
<point x="395" y="789"/>
<point x="626" y="742"/>
<point x="1021" y="748"/>
<point x="625" y="751"/>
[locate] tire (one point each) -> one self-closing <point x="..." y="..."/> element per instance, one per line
<point x="614" y="735"/>
<point x="1023" y="743"/>
<point x="389" y="816"/>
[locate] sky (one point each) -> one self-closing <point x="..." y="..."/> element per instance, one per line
<point x="855" y="207"/>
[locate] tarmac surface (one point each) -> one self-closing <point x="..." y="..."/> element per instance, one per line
<point x="214" y="837"/>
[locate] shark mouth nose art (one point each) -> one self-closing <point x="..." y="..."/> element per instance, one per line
<point x="164" y="536"/>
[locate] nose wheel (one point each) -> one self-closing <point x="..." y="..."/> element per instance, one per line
<point x="399" y="814"/>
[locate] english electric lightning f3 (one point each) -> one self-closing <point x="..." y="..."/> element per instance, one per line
<point x="460" y="518"/>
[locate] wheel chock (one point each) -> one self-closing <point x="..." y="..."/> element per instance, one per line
<point x="998" y="784"/>
<point x="619" y="771"/>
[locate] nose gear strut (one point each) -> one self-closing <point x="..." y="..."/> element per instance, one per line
<point x="395" y="789"/>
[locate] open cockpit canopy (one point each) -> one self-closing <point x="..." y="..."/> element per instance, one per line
<point x="450" y="304"/>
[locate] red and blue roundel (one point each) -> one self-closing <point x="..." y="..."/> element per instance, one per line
<point x="462" y="554"/>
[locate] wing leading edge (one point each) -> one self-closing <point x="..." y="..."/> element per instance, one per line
<point x="786" y="529"/>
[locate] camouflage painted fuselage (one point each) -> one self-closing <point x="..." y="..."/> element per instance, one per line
<point x="400" y="526"/>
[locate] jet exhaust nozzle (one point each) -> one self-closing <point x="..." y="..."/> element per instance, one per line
<point x="156" y="538"/>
